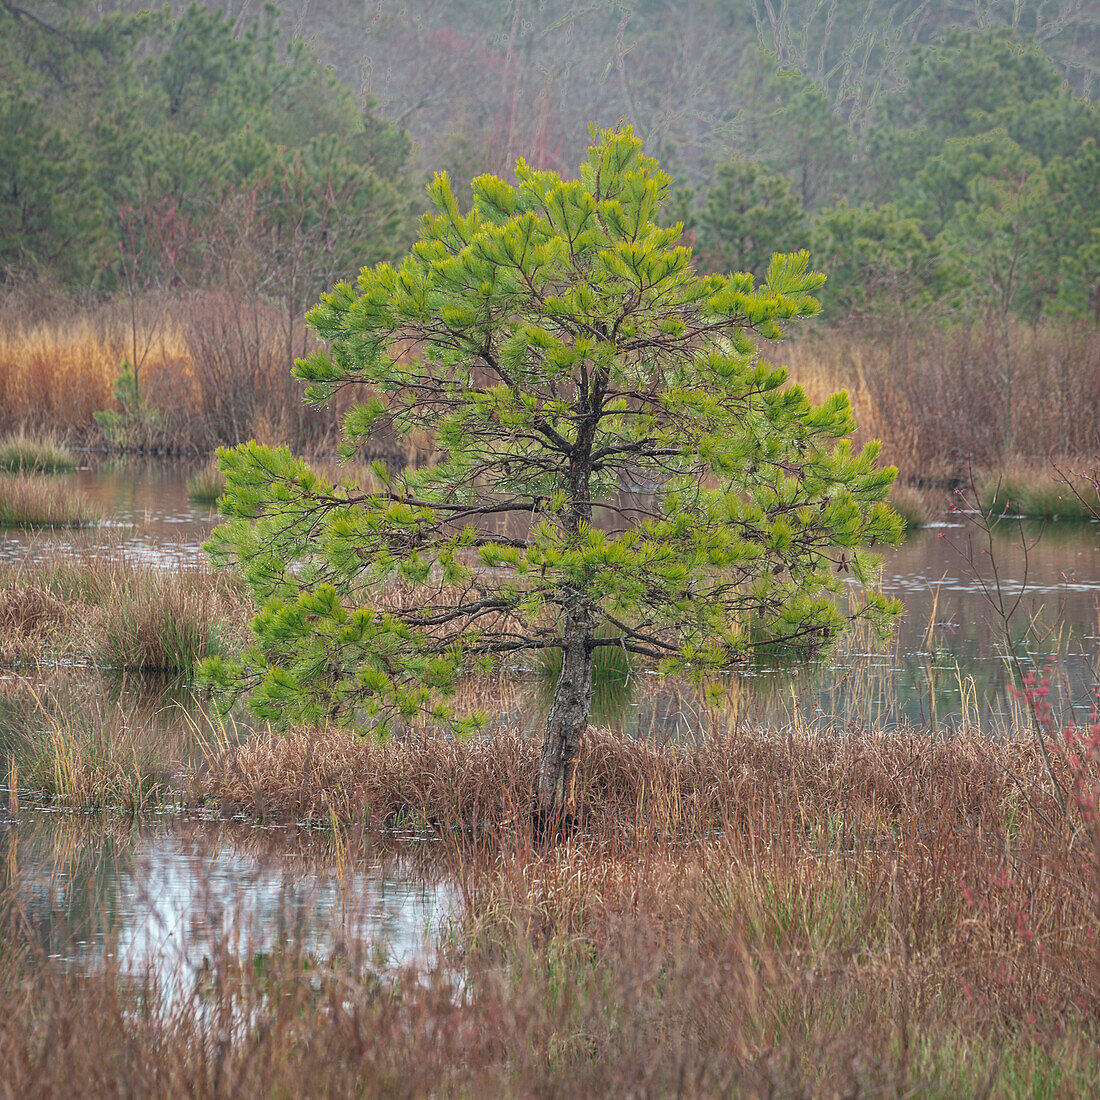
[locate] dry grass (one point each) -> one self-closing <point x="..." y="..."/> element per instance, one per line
<point x="855" y="785"/>
<point x="34" y="500"/>
<point x="29" y="616"/>
<point x="918" y="507"/>
<point x="864" y="915"/>
<point x="855" y="913"/>
<point x="214" y="370"/>
<point x="936" y="396"/>
<point x="104" y="608"/>
<point x="55" y="375"/>
<point x="39" y="454"/>
<point x="1041" y="493"/>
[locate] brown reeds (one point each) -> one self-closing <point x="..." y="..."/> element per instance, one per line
<point x="857" y="784"/>
<point x="36" y="500"/>
<point x="100" y="606"/>
<point x="55" y="375"/>
<point x="865" y="915"/>
<point x="936" y="396"/>
<point x="216" y="369"/>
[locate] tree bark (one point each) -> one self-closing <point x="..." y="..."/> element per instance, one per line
<point x="556" y="795"/>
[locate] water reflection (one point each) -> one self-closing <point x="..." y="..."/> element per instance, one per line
<point x="169" y="892"/>
<point x="79" y="887"/>
<point x="145" y="502"/>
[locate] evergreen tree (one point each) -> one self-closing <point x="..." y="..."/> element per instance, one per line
<point x="747" y="218"/>
<point x="49" y="213"/>
<point x="876" y="258"/>
<point x="153" y="111"/>
<point x="1069" y="232"/>
<point x="968" y="84"/>
<point x="944" y="184"/>
<point x="996" y="242"/>
<point x="563" y="351"/>
<point x="789" y="126"/>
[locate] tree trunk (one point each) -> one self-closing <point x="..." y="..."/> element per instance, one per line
<point x="566" y="723"/>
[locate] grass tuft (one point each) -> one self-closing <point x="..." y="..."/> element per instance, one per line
<point x="20" y="451"/>
<point x="31" y="500"/>
<point x="915" y="506"/>
<point x="1038" y="494"/>
<point x="157" y="621"/>
<point x="29" y="613"/>
<point x="206" y="486"/>
<point x="99" y="756"/>
<point x="105" y="609"/>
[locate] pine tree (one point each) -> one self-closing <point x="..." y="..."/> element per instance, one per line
<point x="747" y="214"/>
<point x="567" y="358"/>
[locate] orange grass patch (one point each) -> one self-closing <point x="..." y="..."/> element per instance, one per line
<point x="37" y="500"/>
<point x="936" y="396"/>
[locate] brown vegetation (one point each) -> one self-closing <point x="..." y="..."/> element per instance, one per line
<point x="859" y="915"/>
<point x="935" y="396"/>
<point x="37" y="500"/>
<point x="856" y="785"/>
<point x="216" y="370"/>
<point x="212" y="373"/>
<point x="103" y="607"/>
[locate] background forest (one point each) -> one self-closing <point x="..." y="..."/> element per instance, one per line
<point x="177" y="187"/>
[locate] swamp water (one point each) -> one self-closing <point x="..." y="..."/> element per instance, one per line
<point x="82" y="885"/>
<point x="174" y="893"/>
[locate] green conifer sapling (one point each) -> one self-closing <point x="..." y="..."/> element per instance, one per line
<point x="571" y="365"/>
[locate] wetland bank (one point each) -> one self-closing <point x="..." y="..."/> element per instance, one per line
<point x="863" y="869"/>
<point x="850" y="875"/>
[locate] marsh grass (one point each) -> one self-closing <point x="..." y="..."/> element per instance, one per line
<point x="207" y="485"/>
<point x="917" y="507"/>
<point x="55" y="374"/>
<point x="216" y="371"/>
<point x="30" y="615"/>
<point x="865" y="915"/>
<point x="826" y="780"/>
<point x="935" y="397"/>
<point x="37" y="454"/>
<point x="1038" y="493"/>
<point x="102" y="754"/>
<point x="156" y="621"/>
<point x="33" y="500"/>
<point x="103" y="607"/>
<point x="213" y="367"/>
